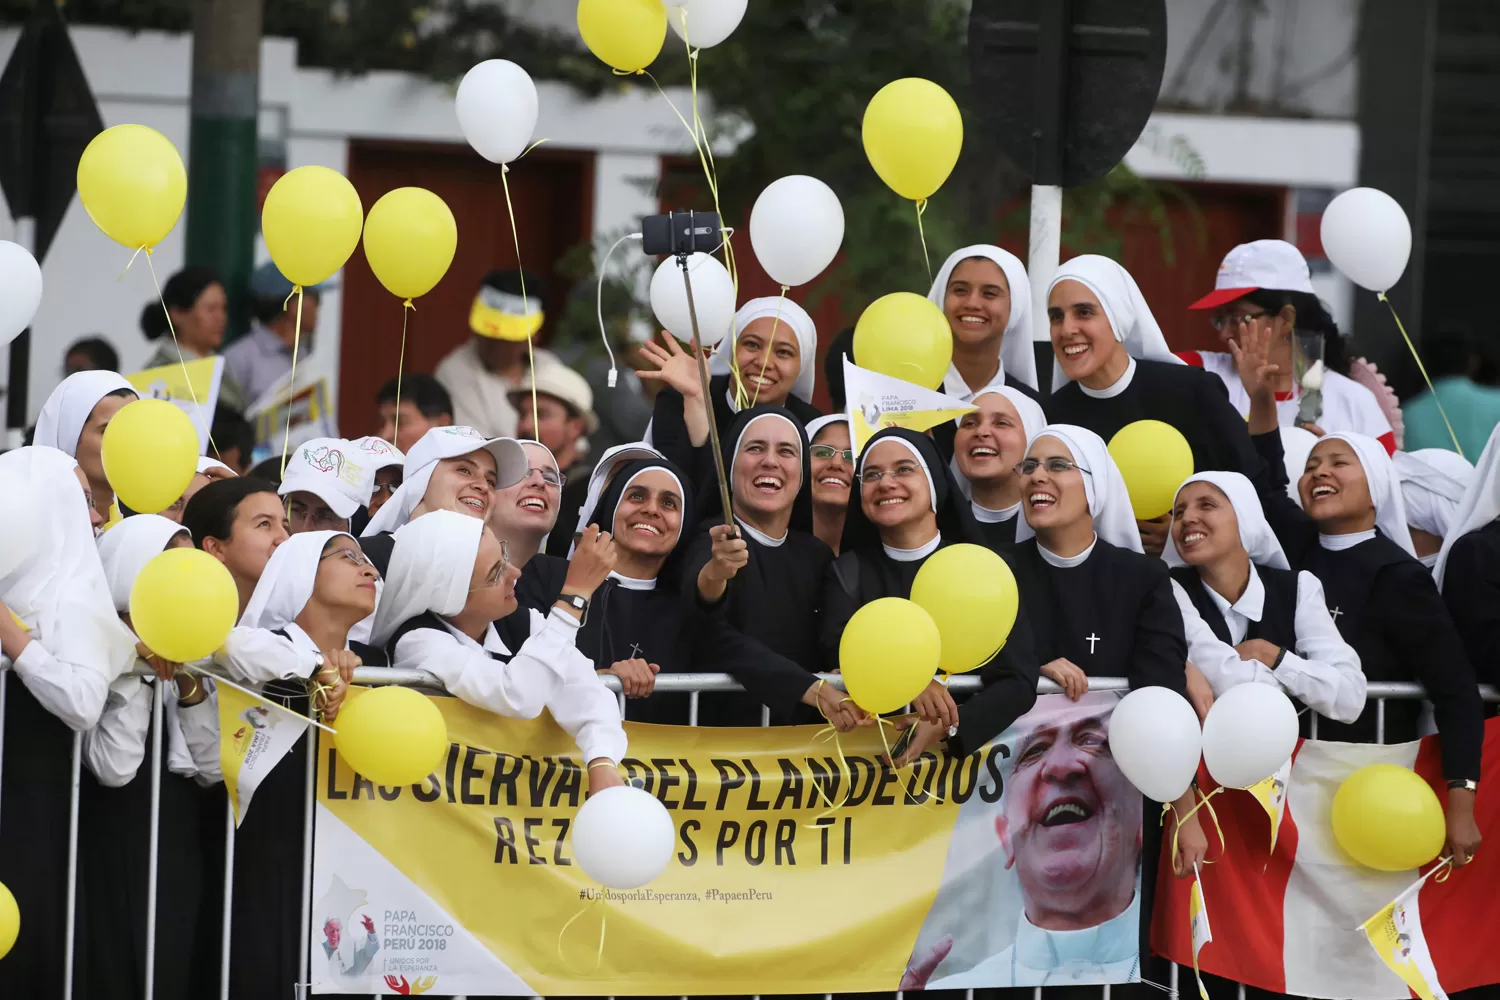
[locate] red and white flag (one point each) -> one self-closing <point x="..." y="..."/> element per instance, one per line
<point x="1299" y="912"/>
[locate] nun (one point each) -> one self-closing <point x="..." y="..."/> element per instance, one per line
<point x="560" y="542"/>
<point x="985" y="295"/>
<point x="771" y="358"/>
<point x="1468" y="568"/>
<point x="1352" y="533"/>
<point x="1114" y="368"/>
<point x="314" y="589"/>
<point x="832" y="455"/>
<point x="769" y="585"/>
<point x="1433" y="482"/>
<point x="907" y="507"/>
<point x="73" y="420"/>
<point x="639" y="616"/>
<point x="115" y="805"/>
<point x="1249" y="618"/>
<point x="989" y="444"/>
<point x="64" y="645"/>
<point x="450" y="580"/>
<point x="239" y="522"/>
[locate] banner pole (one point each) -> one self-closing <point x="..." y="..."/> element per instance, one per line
<point x="153" y="849"/>
<point x="304" y="947"/>
<point x="72" y="917"/>
<point x="228" y="897"/>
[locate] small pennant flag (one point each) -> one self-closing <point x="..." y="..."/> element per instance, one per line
<point x="1271" y="794"/>
<point x="191" y="386"/>
<point x="878" y="401"/>
<point x="254" y="734"/>
<point x="1396" y="935"/>
<point x="1202" y="935"/>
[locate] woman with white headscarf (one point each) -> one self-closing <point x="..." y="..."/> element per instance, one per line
<point x="1113" y="368"/>
<point x="988" y="445"/>
<point x="1468" y="569"/>
<point x="73" y="419"/>
<point x="986" y="296"/>
<point x="1249" y="617"/>
<point x="65" y="644"/>
<point x="772" y="358"/>
<point x="832" y="469"/>
<point x="1351" y="532"/>
<point x="1433" y="483"/>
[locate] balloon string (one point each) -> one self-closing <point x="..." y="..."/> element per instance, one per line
<point x="1167" y="807"/>
<point x="400" y="368"/>
<point x="922" y="236"/>
<point x="766" y="354"/>
<point x="291" y="397"/>
<point x="525" y="302"/>
<point x="599" y="954"/>
<point x="1423" y="369"/>
<point x="221" y="679"/>
<point x="197" y="406"/>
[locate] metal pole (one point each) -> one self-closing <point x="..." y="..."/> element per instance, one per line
<point x="228" y="898"/>
<point x="72" y="867"/>
<point x="708" y="404"/>
<point x="4" y="676"/>
<point x="1043" y="253"/>
<point x="154" y="847"/>
<point x="19" y="369"/>
<point x="307" y="859"/>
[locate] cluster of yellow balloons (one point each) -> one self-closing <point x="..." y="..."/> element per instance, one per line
<point x="1154" y="459"/>
<point x="905" y="336"/>
<point x="963" y="606"/>
<point x="1388" y="818"/>
<point x="183" y="604"/>
<point x="626" y="35"/>
<point x="150" y="454"/>
<point x="391" y="735"/>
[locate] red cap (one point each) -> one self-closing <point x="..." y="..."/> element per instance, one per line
<point x="1221" y="296"/>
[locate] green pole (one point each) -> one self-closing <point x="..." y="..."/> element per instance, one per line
<point x="222" y="154"/>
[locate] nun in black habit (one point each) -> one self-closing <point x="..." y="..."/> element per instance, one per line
<point x="1468" y="567"/>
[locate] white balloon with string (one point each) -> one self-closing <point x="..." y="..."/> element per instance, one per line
<point x="497" y="109"/>
<point x="1249" y="734"/>
<point x="623" y="837"/>
<point x="705" y="23"/>
<point x="1156" y="742"/>
<point x="20" y="289"/>
<point x="713" y="298"/>
<point x="1367" y="236"/>
<point x="796" y="229"/>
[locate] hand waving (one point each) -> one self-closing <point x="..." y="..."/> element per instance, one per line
<point x="674" y="366"/>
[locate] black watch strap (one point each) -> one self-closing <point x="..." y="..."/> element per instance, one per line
<point x="579" y="604"/>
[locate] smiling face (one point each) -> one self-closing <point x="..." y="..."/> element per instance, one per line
<point x="530" y="506"/>
<point x="1082" y="339"/>
<point x="780" y="357"/>
<point x="991" y="440"/>
<point x="649" y="515"/>
<point x="1334" y="490"/>
<point x="1054" y="497"/>
<point x="345" y="580"/>
<point x="464" y="484"/>
<point x="767" y="469"/>
<point x="977" y="302"/>
<point x="1070" y="821"/>
<point x="901" y="494"/>
<point x="832" y="472"/>
<point x="492" y="584"/>
<point x="1205" y="527"/>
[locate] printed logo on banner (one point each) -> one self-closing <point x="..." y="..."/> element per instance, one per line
<point x="253" y="738"/>
<point x="877" y="401"/>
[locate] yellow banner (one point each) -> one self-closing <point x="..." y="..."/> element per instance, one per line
<point x="467" y="882"/>
<point x="192" y="386"/>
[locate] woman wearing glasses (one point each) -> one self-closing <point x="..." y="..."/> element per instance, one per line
<point x="832" y="475"/>
<point x="989" y="443"/>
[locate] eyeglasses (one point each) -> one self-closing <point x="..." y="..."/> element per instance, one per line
<point x="496" y="575"/>
<point x="549" y="476"/>
<point x="1056" y="466"/>
<point x="901" y="473"/>
<point x="1222" y="321"/>
<point x="827" y="451"/>
<point x="354" y="556"/>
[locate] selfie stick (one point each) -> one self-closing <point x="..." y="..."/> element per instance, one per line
<point x="713" y="426"/>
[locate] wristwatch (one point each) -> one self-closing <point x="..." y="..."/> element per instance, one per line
<point x="579" y="604"/>
<point x="1468" y="784"/>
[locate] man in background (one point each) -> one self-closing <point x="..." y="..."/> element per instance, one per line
<point x="422" y="405"/>
<point x="89" y="355"/>
<point x="264" y="355"/>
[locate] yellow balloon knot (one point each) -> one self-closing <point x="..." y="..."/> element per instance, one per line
<point x="408" y="305"/>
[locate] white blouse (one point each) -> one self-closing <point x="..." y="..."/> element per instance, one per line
<point x="115" y="749"/>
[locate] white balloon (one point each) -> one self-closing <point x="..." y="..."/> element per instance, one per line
<point x="20" y="289"/>
<point x="713" y="297"/>
<point x="796" y="229"/>
<point x="1367" y="236"/>
<point x="1249" y="734"/>
<point x="1155" y="739"/>
<point x="623" y="837"/>
<point x="708" y="22"/>
<point x="497" y="109"/>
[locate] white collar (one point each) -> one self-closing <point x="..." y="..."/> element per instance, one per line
<point x="1115" y="940"/>
<point x="729" y="395"/>
<point x="1121" y="384"/>
<point x="1066" y="562"/>
<point x="631" y="583"/>
<point x="1338" y="543"/>
<point x="912" y="555"/>
<point x="1252" y="603"/>
<point x="954" y="384"/>
<point x="492" y="642"/>
<point x="1430" y="561"/>
<point x="761" y="536"/>
<point x="985" y="515"/>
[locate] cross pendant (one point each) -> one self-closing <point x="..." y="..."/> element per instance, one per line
<point x="1092" y="639"/>
<point x="1334" y="614"/>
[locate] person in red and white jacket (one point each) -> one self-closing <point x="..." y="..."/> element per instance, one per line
<point x="1268" y="282"/>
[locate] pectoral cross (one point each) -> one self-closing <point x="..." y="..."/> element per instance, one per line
<point x="1335" y="615"/>
<point x="1091" y="640"/>
<point x="635" y="651"/>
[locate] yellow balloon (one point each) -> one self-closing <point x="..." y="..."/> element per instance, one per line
<point x="624" y="34"/>
<point x="133" y="185"/>
<point x="311" y="223"/>
<point x="971" y="595"/>
<point x="183" y="605"/>
<point x="1154" y="458"/>
<point x="10" y="921"/>
<point x="905" y="336"/>
<point x="391" y="735"/>
<point x="888" y="653"/>
<point x="913" y="133"/>
<point x="410" y="239"/>
<point x="1388" y="818"/>
<point x="150" y="453"/>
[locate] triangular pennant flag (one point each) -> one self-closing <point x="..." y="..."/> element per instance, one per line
<point x="254" y="734"/>
<point x="877" y="401"/>
<point x="1198" y="919"/>
<point x="1396" y="935"/>
<point x="1271" y="794"/>
<point x="192" y="386"/>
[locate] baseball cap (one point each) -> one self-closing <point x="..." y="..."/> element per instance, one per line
<point x="375" y="453"/>
<point x="330" y="469"/>
<point x="511" y="463"/>
<point x="560" y="382"/>
<point x="505" y="309"/>
<point x="269" y="284"/>
<point x="1249" y="267"/>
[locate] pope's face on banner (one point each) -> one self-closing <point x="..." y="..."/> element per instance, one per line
<point x="1070" y="822"/>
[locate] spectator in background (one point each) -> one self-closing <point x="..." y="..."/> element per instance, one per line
<point x="89" y="355"/>
<point x="480" y="373"/>
<point x="841" y="347"/>
<point x="565" y="408"/>
<point x="268" y="471"/>
<point x="197" y="310"/>
<point x="233" y="439"/>
<point x="1453" y="360"/>
<point x="261" y="358"/>
<point x="624" y="409"/>
<point x="423" y="404"/>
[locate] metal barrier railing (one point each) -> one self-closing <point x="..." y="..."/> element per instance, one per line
<point x="695" y="685"/>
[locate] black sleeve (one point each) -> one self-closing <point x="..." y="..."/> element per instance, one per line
<point x="1471" y="589"/>
<point x="1417" y="624"/>
<point x="1009" y="691"/>
<point x="1228" y="428"/>
<point x="1159" y="654"/>
<point x="838" y="606"/>
<point x="770" y="679"/>
<point x="669" y="433"/>
<point x="699" y="551"/>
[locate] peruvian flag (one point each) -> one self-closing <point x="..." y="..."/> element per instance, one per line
<point x="1290" y="920"/>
